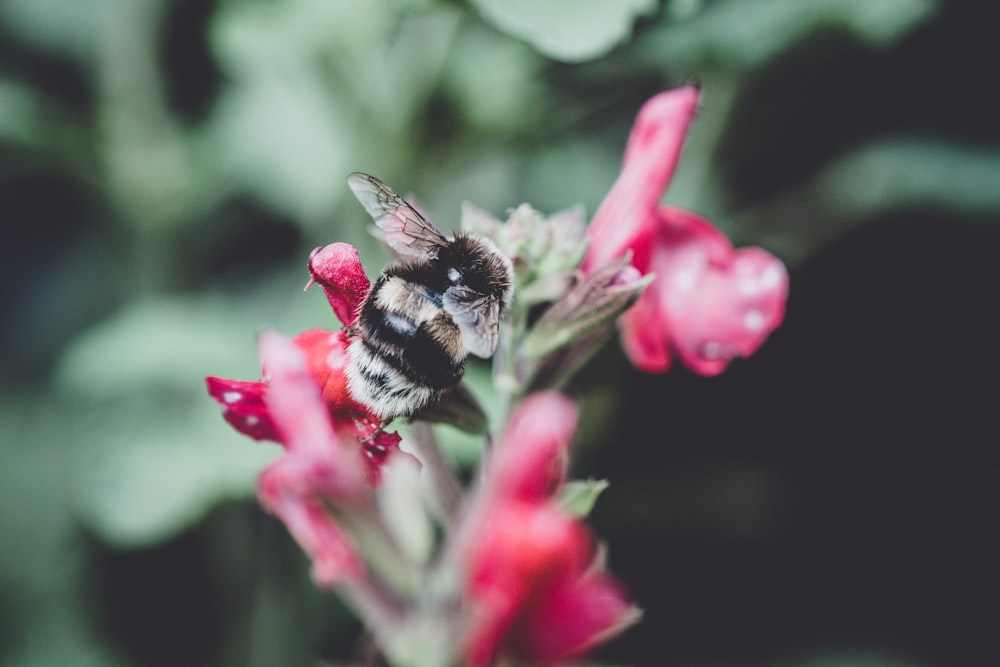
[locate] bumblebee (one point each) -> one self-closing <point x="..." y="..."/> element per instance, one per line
<point x="426" y="314"/>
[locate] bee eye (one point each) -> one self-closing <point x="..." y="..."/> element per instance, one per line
<point x="454" y="275"/>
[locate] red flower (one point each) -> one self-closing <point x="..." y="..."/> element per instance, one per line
<point x="709" y="303"/>
<point x="323" y="464"/>
<point x="334" y="449"/>
<point x="338" y="270"/>
<point x="535" y="592"/>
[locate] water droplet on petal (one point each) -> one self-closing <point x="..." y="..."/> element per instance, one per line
<point x="770" y="278"/>
<point x="711" y="350"/>
<point x="753" y="320"/>
<point x="684" y="280"/>
<point x="747" y="286"/>
<point x="232" y="396"/>
<point x="251" y="420"/>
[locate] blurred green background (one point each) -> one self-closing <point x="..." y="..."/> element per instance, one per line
<point x="166" y="165"/>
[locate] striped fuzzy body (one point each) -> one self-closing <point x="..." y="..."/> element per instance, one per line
<point x="407" y="351"/>
<point x="422" y="317"/>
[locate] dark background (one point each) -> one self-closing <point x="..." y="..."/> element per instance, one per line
<point x="166" y="166"/>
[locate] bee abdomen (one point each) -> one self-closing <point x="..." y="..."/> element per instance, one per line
<point x="382" y="387"/>
<point x="406" y="351"/>
<point x="428" y="353"/>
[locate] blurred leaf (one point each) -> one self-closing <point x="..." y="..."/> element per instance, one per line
<point x="161" y="471"/>
<point x="156" y="456"/>
<point x="494" y="80"/>
<point x="34" y="120"/>
<point x="55" y="25"/>
<point x="287" y="139"/>
<point x="164" y="343"/>
<point x="253" y="37"/>
<point x="41" y="563"/>
<point x="568" y="31"/>
<point x="317" y="88"/>
<point x="748" y="33"/>
<point x="869" y="181"/>
<point x="914" y="172"/>
<point x="551" y="186"/>
<point x="19" y="107"/>
<point x="282" y="126"/>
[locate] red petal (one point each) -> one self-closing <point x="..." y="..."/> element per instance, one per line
<point x="243" y="406"/>
<point x="572" y="617"/>
<point x="654" y="146"/>
<point x="326" y="352"/>
<point x="708" y="304"/>
<point x="337" y="268"/>
<point x="646" y="343"/>
<point x="283" y="492"/>
<point x="302" y="418"/>
<point x="523" y="550"/>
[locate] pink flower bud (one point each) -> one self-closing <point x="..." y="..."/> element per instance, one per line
<point x="532" y="455"/>
<point x="654" y="147"/>
<point x="337" y="269"/>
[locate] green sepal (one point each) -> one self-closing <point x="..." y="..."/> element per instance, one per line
<point x="591" y="303"/>
<point x="579" y="496"/>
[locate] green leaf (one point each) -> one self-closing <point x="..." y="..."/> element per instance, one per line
<point x="568" y="30"/>
<point x="165" y="343"/>
<point x="155" y="477"/>
<point x="915" y="172"/>
<point x="883" y="176"/>
<point x="747" y="34"/>
<point x="579" y="496"/>
<point x="494" y="80"/>
<point x="68" y="28"/>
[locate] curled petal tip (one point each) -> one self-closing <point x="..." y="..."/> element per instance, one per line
<point x="338" y="270"/>
<point x="625" y="218"/>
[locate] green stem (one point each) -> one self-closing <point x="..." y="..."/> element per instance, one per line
<point x="507" y="380"/>
<point x="447" y="489"/>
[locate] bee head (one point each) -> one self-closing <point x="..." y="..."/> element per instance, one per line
<point x="476" y="263"/>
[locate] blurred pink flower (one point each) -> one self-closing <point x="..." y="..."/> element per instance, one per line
<point x="708" y="303"/>
<point x="322" y="465"/>
<point x="535" y="591"/>
<point x="530" y="460"/>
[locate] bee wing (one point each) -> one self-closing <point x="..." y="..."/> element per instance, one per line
<point x="406" y="231"/>
<point x="477" y="318"/>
